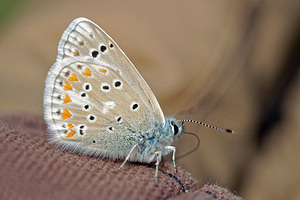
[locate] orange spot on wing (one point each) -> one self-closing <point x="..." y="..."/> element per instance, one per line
<point x="81" y="42"/>
<point x="67" y="99"/>
<point x="102" y="70"/>
<point x="65" y="114"/>
<point x="76" y="53"/>
<point x="67" y="86"/>
<point x="71" y="134"/>
<point x="87" y="72"/>
<point x="70" y="126"/>
<point x="73" y="77"/>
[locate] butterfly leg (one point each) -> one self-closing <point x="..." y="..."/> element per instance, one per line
<point x="128" y="156"/>
<point x="158" y="159"/>
<point x="168" y="149"/>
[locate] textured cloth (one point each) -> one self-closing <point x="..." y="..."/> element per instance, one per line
<point x="31" y="168"/>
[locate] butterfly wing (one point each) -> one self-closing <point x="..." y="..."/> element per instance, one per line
<point x="95" y="100"/>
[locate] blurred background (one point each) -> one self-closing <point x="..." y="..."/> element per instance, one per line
<point x="233" y="64"/>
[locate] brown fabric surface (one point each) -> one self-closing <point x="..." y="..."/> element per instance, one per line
<point x="31" y="168"/>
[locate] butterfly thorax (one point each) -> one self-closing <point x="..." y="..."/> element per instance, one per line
<point x="156" y="140"/>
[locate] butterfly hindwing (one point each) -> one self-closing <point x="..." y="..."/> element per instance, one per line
<point x="94" y="96"/>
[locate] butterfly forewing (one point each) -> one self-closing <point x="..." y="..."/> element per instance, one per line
<point x="94" y="94"/>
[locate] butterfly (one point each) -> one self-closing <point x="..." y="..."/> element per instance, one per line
<point x="96" y="103"/>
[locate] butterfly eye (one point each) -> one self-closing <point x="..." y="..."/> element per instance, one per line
<point x="175" y="128"/>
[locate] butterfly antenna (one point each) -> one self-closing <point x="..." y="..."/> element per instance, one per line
<point x="194" y="149"/>
<point x="209" y="126"/>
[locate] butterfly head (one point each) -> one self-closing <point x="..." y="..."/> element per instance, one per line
<point x="175" y="126"/>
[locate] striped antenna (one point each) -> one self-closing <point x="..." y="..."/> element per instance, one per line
<point x="209" y="126"/>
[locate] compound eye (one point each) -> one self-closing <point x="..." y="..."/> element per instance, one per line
<point x="175" y="128"/>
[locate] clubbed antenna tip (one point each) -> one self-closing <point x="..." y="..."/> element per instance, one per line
<point x="230" y="131"/>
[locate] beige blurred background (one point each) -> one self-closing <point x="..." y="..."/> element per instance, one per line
<point x="232" y="64"/>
